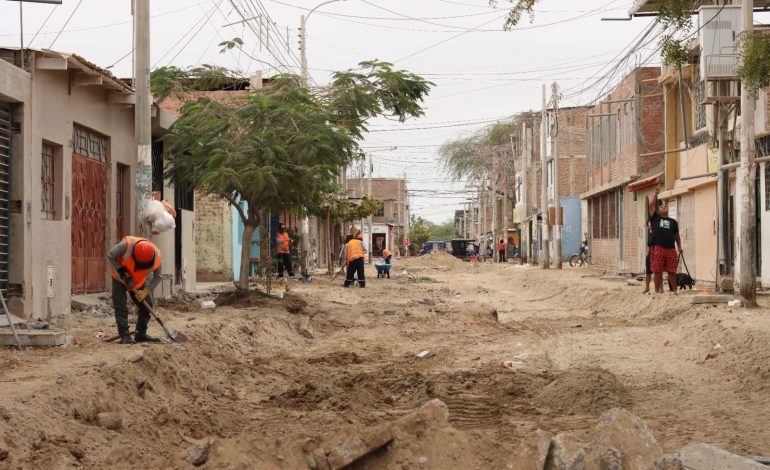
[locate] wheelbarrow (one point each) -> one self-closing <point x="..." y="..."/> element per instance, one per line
<point x="383" y="269"/>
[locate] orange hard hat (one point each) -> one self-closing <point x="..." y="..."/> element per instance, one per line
<point x="386" y="252"/>
<point x="144" y="252"/>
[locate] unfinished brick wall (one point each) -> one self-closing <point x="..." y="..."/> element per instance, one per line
<point x="213" y="239"/>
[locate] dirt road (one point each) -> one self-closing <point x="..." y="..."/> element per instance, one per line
<point x="259" y="382"/>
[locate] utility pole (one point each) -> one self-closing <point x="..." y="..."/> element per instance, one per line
<point x="556" y="177"/>
<point x="546" y="239"/>
<point x="504" y="234"/>
<point x="723" y="197"/>
<point x="142" y="112"/>
<point x="406" y="218"/>
<point x="369" y="220"/>
<point x="494" y="204"/>
<point x="746" y="269"/>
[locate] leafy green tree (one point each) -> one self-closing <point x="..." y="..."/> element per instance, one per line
<point x="445" y="231"/>
<point x="419" y="231"/>
<point x="281" y="146"/>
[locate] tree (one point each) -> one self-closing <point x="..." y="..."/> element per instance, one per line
<point x="419" y="231"/>
<point x="520" y="7"/>
<point x="445" y="231"/>
<point x="282" y="146"/>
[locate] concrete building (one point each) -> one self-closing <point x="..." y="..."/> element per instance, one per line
<point x="388" y="224"/>
<point x="625" y="143"/>
<point x="67" y="159"/>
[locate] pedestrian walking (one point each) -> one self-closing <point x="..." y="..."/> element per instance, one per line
<point x="664" y="256"/>
<point x="501" y="251"/>
<point x="355" y="259"/>
<point x="132" y="260"/>
<point x="283" y="242"/>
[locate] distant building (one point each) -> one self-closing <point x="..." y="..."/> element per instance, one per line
<point x="388" y="224"/>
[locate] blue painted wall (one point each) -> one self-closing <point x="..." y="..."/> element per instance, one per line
<point x="570" y="234"/>
<point x="238" y="238"/>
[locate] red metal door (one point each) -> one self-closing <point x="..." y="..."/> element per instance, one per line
<point x="89" y="222"/>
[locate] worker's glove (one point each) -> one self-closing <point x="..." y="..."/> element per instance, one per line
<point x="142" y="294"/>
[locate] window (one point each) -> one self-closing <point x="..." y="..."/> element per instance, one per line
<point x="48" y="182"/>
<point x="89" y="144"/>
<point x="380" y="211"/>
<point x="604" y="215"/>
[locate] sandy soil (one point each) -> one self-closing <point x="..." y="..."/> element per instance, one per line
<point x="262" y="389"/>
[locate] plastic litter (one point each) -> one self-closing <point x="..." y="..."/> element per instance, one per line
<point x="734" y="303"/>
<point x="208" y="305"/>
<point x="160" y="215"/>
<point x="424" y="354"/>
<point x="99" y="334"/>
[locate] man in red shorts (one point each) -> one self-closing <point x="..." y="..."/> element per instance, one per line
<point x="664" y="256"/>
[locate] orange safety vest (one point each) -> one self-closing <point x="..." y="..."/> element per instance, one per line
<point x="128" y="262"/>
<point x="283" y="242"/>
<point x="355" y="249"/>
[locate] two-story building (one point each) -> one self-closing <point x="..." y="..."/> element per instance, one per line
<point x="625" y="143"/>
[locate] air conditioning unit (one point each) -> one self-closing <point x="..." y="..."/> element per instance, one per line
<point x="719" y="28"/>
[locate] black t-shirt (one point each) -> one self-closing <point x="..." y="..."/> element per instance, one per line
<point x="664" y="231"/>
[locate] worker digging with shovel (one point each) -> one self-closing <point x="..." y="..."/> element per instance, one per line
<point x="131" y="261"/>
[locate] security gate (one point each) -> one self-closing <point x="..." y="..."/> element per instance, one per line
<point x="5" y="179"/>
<point x="89" y="212"/>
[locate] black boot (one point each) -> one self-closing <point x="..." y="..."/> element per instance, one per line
<point x="145" y="338"/>
<point x="127" y="339"/>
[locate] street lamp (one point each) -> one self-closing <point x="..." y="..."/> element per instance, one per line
<point x="304" y="74"/>
<point x="303" y="38"/>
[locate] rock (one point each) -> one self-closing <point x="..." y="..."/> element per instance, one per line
<point x="112" y="421"/>
<point x="310" y="461"/>
<point x="566" y="453"/>
<point x="707" y="457"/>
<point x="198" y="454"/>
<point x="304" y="328"/>
<point x="632" y="282"/>
<point x="354" y="449"/>
<point x="623" y="441"/>
<point x="532" y="452"/>
<point x="319" y="456"/>
<point x="136" y="357"/>
<point x="423" y="461"/>
<point x="436" y="409"/>
<point x="669" y="462"/>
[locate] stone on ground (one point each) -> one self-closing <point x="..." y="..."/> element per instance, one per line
<point x="707" y="457"/>
<point x="357" y="447"/>
<point x="623" y="441"/>
<point x="532" y="452"/>
<point x="566" y="453"/>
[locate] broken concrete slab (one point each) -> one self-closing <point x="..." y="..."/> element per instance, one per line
<point x="710" y="299"/>
<point x="304" y="328"/>
<point x="708" y="457"/>
<point x="354" y="449"/>
<point x="623" y="441"/>
<point x="566" y="453"/>
<point x="37" y="338"/>
<point x="532" y="452"/>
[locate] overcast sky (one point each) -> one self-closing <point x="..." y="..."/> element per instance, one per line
<point x="482" y="73"/>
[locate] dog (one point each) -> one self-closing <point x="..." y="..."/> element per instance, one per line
<point x="684" y="280"/>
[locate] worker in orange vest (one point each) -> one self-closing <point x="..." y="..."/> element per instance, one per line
<point x="283" y="242"/>
<point x="387" y="255"/>
<point x="131" y="261"/>
<point x="355" y="259"/>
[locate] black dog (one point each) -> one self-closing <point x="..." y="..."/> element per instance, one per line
<point x="684" y="280"/>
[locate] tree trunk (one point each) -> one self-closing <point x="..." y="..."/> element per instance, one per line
<point x="243" y="277"/>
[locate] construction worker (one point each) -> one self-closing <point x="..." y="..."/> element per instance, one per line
<point x="355" y="258"/>
<point x="283" y="242"/>
<point x="131" y="261"/>
<point x="387" y="255"/>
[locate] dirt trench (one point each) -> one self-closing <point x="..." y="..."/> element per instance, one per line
<point x="260" y="386"/>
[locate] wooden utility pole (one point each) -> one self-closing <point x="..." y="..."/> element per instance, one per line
<point x="545" y="253"/>
<point x="556" y="175"/>
<point x="746" y="268"/>
<point x="142" y="112"/>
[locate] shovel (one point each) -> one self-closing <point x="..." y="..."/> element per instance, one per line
<point x="170" y="334"/>
<point x="339" y="272"/>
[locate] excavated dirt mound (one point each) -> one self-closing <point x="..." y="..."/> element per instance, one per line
<point x="584" y="391"/>
<point x="438" y="259"/>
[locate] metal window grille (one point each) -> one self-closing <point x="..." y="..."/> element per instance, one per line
<point x="120" y="200"/>
<point x="157" y="167"/>
<point x="89" y="144"/>
<point x="5" y="180"/>
<point x="47" y="182"/>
